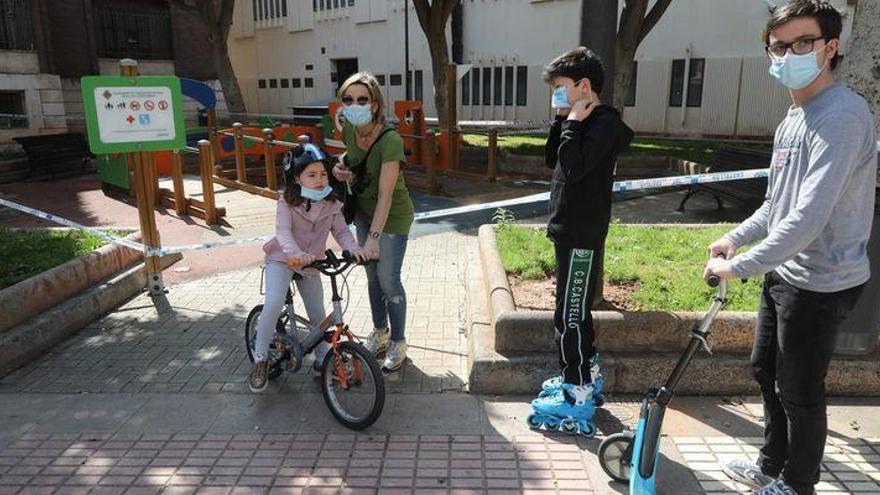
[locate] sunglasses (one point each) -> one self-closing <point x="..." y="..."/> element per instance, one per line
<point x="361" y="100"/>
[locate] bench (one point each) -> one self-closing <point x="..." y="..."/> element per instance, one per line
<point x="748" y="192"/>
<point x="53" y="153"/>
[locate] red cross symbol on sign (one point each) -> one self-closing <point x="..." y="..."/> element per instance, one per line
<point x="130" y="119"/>
<point x="134" y="106"/>
<point x="163" y="105"/>
<point x="148" y="105"/>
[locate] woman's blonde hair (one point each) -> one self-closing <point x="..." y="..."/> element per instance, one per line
<point x="368" y="80"/>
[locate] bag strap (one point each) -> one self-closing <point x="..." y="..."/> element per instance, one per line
<point x="363" y="162"/>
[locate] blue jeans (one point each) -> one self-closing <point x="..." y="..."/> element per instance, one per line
<point x="387" y="297"/>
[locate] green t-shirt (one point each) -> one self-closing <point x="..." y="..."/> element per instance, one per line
<point x="388" y="149"/>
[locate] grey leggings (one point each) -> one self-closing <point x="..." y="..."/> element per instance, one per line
<point x="278" y="276"/>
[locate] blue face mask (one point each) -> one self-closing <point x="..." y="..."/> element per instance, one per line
<point x="560" y="98"/>
<point x="315" y="194"/>
<point x="796" y="71"/>
<point x="358" y="115"/>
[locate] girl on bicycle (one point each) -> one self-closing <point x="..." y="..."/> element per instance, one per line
<point x="307" y="213"/>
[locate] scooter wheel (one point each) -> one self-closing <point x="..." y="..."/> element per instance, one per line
<point x="615" y="456"/>
<point x="534" y="421"/>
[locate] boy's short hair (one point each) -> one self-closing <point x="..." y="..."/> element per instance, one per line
<point x="577" y="64"/>
<point x="829" y="19"/>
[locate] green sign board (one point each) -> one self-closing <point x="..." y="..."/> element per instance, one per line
<point x="125" y="114"/>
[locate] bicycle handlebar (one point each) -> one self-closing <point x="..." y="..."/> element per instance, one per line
<point x="333" y="264"/>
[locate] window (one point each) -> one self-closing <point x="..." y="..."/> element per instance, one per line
<point x="296" y="82"/>
<point x="522" y="80"/>
<point x="629" y="99"/>
<point x="351" y="3"/>
<point x="285" y="83"/>
<point x="322" y="4"/>
<point x="396" y="80"/>
<point x="496" y="96"/>
<point x="508" y="86"/>
<point x="310" y="67"/>
<point x="269" y="9"/>
<point x="16" y="26"/>
<point x="315" y="5"/>
<point x="695" y="82"/>
<point x="676" y="90"/>
<point x="475" y="86"/>
<point x="273" y="83"/>
<point x="418" y="85"/>
<point x="12" y="106"/>
<point x="466" y="89"/>
<point x="335" y="4"/>
<point x="261" y="84"/>
<point x="381" y="79"/>
<point x="139" y="33"/>
<point x="310" y="83"/>
<point x="487" y="86"/>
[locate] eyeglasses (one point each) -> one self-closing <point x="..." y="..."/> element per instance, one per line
<point x="361" y="100"/>
<point x="800" y="46"/>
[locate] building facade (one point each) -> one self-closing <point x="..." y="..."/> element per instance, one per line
<point x="701" y="71"/>
<point x="46" y="46"/>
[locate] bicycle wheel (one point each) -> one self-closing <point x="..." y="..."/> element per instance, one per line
<point x="357" y="403"/>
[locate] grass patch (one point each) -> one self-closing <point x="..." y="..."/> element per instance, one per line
<point x="25" y="253"/>
<point x="664" y="263"/>
<point x="700" y="151"/>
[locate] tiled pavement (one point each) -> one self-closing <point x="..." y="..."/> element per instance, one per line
<point x="196" y="343"/>
<point x="149" y="400"/>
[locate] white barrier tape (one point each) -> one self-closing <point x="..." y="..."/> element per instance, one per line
<point x="207" y="245"/>
<point x="69" y="223"/>
<point x="622" y="186"/>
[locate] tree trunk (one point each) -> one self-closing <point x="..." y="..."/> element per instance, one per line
<point x="228" y="81"/>
<point x="439" y="61"/>
<point x="861" y="66"/>
<point x="622" y="76"/>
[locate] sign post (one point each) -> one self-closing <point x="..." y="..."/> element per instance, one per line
<point x="138" y="115"/>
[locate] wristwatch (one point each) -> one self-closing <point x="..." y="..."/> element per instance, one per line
<point x="375" y="234"/>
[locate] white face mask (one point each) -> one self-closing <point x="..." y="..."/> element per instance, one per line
<point x="796" y="71"/>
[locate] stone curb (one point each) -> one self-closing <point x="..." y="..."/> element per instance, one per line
<point x="27" y="341"/>
<point x="36" y="294"/>
<point x="637" y="353"/>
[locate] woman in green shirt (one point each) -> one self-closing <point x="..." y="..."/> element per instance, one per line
<point x="374" y="154"/>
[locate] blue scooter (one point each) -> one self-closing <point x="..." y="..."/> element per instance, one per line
<point x="632" y="458"/>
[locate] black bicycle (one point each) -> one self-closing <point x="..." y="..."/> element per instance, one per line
<point x="351" y="380"/>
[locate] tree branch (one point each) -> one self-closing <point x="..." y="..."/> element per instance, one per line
<point x="224" y="19"/>
<point x="653" y="17"/>
<point x="448" y="8"/>
<point x="423" y="11"/>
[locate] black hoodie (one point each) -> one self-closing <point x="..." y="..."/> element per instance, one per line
<point x="583" y="156"/>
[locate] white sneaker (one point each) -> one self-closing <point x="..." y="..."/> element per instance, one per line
<point x="377" y="342"/>
<point x="777" y="487"/>
<point x="748" y="473"/>
<point x="395" y="357"/>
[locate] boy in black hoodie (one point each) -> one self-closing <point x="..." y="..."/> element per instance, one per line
<point x="582" y="150"/>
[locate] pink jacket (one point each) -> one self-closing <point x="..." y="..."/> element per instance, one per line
<point x="298" y="231"/>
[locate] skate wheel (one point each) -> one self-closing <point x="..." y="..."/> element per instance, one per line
<point x="568" y="426"/>
<point x="534" y="421"/>
<point x="599" y="400"/>
<point x="552" y="422"/>
<point x="587" y="429"/>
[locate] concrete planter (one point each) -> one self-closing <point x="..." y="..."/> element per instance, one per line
<point x="513" y="351"/>
<point x="40" y="312"/>
<point x="34" y="295"/>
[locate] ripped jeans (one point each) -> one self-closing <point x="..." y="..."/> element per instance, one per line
<point x="387" y="297"/>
